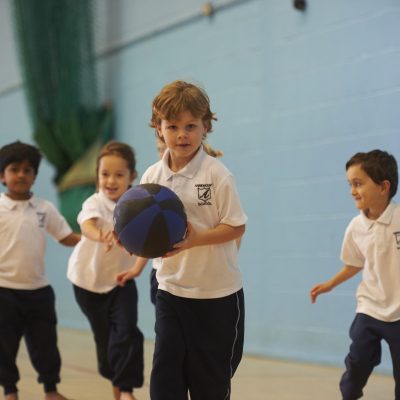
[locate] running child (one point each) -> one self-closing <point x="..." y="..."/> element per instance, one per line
<point x="200" y="303"/>
<point x="93" y="266"/>
<point x="371" y="245"/>
<point x="27" y="301"/>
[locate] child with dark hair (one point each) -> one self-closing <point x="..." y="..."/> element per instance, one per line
<point x="18" y="152"/>
<point x="372" y="245"/>
<point x="27" y="301"/>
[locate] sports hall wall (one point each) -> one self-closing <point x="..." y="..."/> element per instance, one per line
<point x="296" y="94"/>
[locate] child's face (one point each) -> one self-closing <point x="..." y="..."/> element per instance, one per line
<point x="369" y="196"/>
<point x="19" y="178"/>
<point x="182" y="136"/>
<point x="114" y="176"/>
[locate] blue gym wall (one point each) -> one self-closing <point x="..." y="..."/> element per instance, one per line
<point x="296" y="94"/>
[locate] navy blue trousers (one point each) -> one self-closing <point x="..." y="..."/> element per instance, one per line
<point x="119" y="342"/>
<point x="366" y="334"/>
<point x="30" y="314"/>
<point x="199" y="345"/>
<point x="153" y="285"/>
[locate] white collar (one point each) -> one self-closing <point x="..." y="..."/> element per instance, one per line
<point x="12" y="204"/>
<point x="385" y="218"/>
<point x="189" y="170"/>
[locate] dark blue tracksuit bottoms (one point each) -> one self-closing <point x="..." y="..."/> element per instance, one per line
<point x="30" y="314"/>
<point x="119" y="342"/>
<point x="153" y="285"/>
<point x="366" y="334"/>
<point x="199" y="345"/>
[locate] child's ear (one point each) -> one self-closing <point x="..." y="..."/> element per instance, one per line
<point x="158" y="132"/>
<point x="386" y="186"/>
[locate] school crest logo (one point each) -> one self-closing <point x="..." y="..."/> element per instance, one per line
<point x="397" y="238"/>
<point x="204" y="194"/>
<point x="41" y="219"/>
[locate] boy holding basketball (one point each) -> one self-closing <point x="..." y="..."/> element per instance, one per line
<point x="161" y="147"/>
<point x="372" y="245"/>
<point x="200" y="304"/>
<point x="27" y="301"/>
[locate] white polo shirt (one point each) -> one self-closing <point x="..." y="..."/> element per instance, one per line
<point x="374" y="245"/>
<point x="208" y="192"/>
<point x="90" y="266"/>
<point x="23" y="227"/>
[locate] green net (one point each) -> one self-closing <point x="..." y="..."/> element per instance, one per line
<point x="55" y="40"/>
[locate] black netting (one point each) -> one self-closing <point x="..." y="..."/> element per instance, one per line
<point x="55" y="39"/>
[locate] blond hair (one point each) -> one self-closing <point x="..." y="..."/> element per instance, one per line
<point x="212" y="152"/>
<point x="181" y="96"/>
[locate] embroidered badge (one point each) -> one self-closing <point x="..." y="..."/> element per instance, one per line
<point x="204" y="194"/>
<point x="41" y="218"/>
<point x="397" y="237"/>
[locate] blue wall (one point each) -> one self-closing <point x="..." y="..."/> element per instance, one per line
<point x="296" y="94"/>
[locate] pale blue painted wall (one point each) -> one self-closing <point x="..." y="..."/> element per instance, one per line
<point x="296" y="95"/>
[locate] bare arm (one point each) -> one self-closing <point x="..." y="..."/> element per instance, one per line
<point x="222" y="233"/>
<point x="133" y="272"/>
<point x="343" y="275"/>
<point x="90" y="229"/>
<point x="71" y="240"/>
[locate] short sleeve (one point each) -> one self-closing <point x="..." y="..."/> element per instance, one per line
<point x="57" y="226"/>
<point x="228" y="202"/>
<point x="90" y="209"/>
<point x="350" y="253"/>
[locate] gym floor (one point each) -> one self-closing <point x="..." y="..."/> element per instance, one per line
<point x="256" y="378"/>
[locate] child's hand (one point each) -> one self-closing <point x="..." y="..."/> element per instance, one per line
<point x="119" y="244"/>
<point x="133" y="272"/>
<point x="126" y="276"/>
<point x="185" y="244"/>
<point x="319" y="289"/>
<point x="107" y="238"/>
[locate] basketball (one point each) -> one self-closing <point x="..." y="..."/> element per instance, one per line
<point x="149" y="219"/>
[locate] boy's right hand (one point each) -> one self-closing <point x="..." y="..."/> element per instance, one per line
<point x="319" y="289"/>
<point x="343" y="275"/>
<point x="125" y="276"/>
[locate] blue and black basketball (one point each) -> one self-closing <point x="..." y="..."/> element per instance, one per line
<point x="149" y="219"/>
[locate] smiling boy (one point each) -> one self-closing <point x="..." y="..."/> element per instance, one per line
<point x="371" y="245"/>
